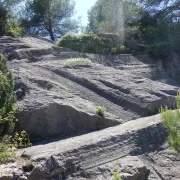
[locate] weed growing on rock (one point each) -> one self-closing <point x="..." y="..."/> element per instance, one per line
<point x="77" y="62"/>
<point x="117" y="176"/>
<point x="171" y="120"/>
<point x="100" y="111"/>
<point x="9" y="145"/>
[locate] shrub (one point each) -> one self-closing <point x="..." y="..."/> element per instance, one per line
<point x="120" y="49"/>
<point x="86" y="43"/>
<point x="13" y="29"/>
<point x="8" y="27"/>
<point x="9" y="145"/>
<point x="7" y="98"/>
<point x="171" y="121"/>
<point x="100" y="111"/>
<point x="10" y="141"/>
<point x="117" y="176"/>
<point x="77" y="62"/>
<point x="159" y="50"/>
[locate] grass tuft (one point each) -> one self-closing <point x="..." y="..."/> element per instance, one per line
<point x="77" y="62"/>
<point x="116" y="175"/>
<point x="100" y="111"/>
<point x="171" y="120"/>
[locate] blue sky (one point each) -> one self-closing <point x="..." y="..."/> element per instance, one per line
<point x="82" y="7"/>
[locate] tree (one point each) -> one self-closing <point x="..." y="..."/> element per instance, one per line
<point x="3" y="19"/>
<point x="114" y="16"/>
<point x="50" y="17"/>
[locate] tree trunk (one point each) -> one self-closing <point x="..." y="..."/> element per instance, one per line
<point x="51" y="34"/>
<point x="50" y="30"/>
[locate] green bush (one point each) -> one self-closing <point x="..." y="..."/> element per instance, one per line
<point x="86" y="43"/>
<point x="171" y="120"/>
<point x="100" y="111"/>
<point x="13" y="29"/>
<point x="120" y="49"/>
<point x="9" y="145"/>
<point x="9" y="140"/>
<point x="7" y="97"/>
<point x="159" y="50"/>
<point x="8" y="27"/>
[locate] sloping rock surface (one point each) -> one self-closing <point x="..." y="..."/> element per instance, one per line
<point x="135" y="148"/>
<point x="62" y="101"/>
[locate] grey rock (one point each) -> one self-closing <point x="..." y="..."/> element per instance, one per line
<point x="62" y="101"/>
<point x="135" y="148"/>
<point x="59" y="101"/>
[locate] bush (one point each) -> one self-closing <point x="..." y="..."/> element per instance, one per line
<point x="9" y="145"/>
<point x="159" y="50"/>
<point x="8" y="27"/>
<point x="87" y="43"/>
<point x="13" y="29"/>
<point x="77" y="62"/>
<point x="100" y="111"/>
<point x="120" y="49"/>
<point x="7" y="97"/>
<point x="171" y="121"/>
<point x="11" y="140"/>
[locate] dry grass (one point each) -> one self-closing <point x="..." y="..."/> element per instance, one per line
<point x="77" y="62"/>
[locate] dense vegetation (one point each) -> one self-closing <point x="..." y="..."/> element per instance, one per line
<point x="92" y="43"/>
<point x="51" y="18"/>
<point x="155" y="22"/>
<point x="171" y="120"/>
<point x="9" y="140"/>
<point x="88" y="43"/>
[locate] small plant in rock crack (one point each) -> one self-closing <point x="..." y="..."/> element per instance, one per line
<point x="116" y="175"/>
<point x="100" y="111"/>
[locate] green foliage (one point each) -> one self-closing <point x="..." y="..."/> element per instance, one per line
<point x="159" y="50"/>
<point x="114" y="16"/>
<point x="117" y="176"/>
<point x="77" y="62"/>
<point x="7" y="98"/>
<point x="53" y="18"/>
<point x="8" y="26"/>
<point x="9" y="145"/>
<point x="13" y="29"/>
<point x="171" y="120"/>
<point x="120" y="49"/>
<point x="86" y="43"/>
<point x="3" y="19"/>
<point x="100" y="111"/>
<point x="11" y="141"/>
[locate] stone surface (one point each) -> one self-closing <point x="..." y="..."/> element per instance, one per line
<point x="63" y="101"/>
<point x="11" y="171"/>
<point x="59" y="101"/>
<point x="136" y="148"/>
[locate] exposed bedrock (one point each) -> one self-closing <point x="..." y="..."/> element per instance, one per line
<point x="63" y="101"/>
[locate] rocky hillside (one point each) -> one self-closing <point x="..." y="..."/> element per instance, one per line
<point x="62" y="101"/>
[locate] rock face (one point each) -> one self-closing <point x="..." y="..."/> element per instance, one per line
<point x="136" y="149"/>
<point x="62" y="101"/>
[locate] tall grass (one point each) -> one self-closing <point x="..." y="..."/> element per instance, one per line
<point x="171" y="120"/>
